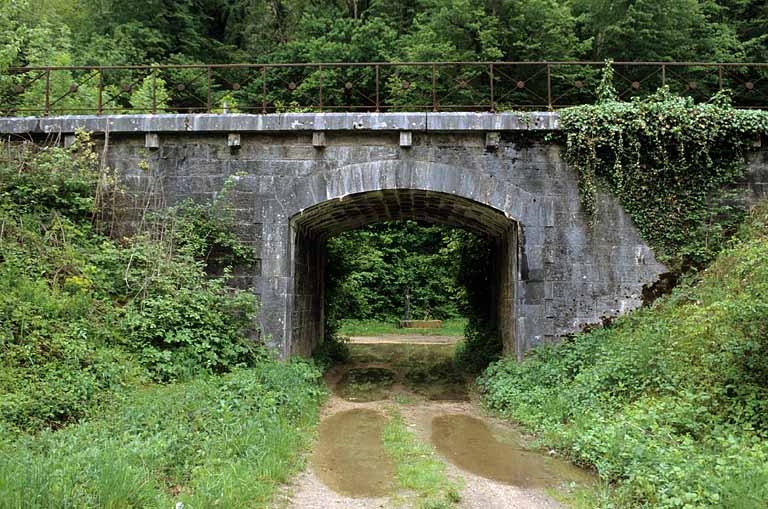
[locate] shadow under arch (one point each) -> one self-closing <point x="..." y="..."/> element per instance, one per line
<point x="312" y="227"/>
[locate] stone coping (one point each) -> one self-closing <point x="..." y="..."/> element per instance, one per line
<point x="282" y="122"/>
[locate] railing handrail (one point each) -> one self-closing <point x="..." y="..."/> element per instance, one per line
<point x="380" y="86"/>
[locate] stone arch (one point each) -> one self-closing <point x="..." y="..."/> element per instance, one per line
<point x="511" y="200"/>
<point x="356" y="195"/>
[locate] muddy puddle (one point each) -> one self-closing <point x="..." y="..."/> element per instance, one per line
<point x="470" y="444"/>
<point x="349" y="457"/>
<point x="366" y="384"/>
<point x="388" y="370"/>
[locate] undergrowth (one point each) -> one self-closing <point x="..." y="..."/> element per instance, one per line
<point x="82" y="314"/>
<point x="216" y="441"/>
<point x="671" y="402"/>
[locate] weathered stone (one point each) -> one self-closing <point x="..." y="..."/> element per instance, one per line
<point x="233" y="140"/>
<point x="318" y="139"/>
<point x="492" y="140"/>
<point x="151" y="140"/>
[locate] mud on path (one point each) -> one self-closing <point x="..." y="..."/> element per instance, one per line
<point x="348" y="467"/>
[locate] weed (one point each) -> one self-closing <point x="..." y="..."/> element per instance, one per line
<point x="225" y="441"/>
<point x="418" y="468"/>
<point x="86" y="322"/>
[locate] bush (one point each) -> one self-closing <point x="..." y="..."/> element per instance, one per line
<point x="184" y="321"/>
<point x="82" y="315"/>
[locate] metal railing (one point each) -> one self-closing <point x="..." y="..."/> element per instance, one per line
<point x="364" y="87"/>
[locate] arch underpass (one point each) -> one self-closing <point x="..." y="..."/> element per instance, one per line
<point x="313" y="226"/>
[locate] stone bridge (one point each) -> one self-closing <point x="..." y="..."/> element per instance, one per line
<point x="302" y="178"/>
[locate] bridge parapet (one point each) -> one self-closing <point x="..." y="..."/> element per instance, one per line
<point x="281" y="122"/>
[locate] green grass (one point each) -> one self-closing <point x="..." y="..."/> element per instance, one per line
<point x="418" y="469"/>
<point x="670" y="404"/>
<point x="213" y="442"/>
<point x="351" y="327"/>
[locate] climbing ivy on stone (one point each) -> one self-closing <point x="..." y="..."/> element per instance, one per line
<point x="672" y="163"/>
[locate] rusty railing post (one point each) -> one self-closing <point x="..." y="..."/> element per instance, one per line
<point x="434" y="88"/>
<point x="493" y="99"/>
<point x="154" y="91"/>
<point x="47" y="91"/>
<point x="378" y="103"/>
<point x="720" y="77"/>
<point x="549" y="86"/>
<point x="208" y="103"/>
<point x="100" y="104"/>
<point x="320" y="70"/>
<point x="264" y="89"/>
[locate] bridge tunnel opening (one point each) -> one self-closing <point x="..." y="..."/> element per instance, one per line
<point x="495" y="237"/>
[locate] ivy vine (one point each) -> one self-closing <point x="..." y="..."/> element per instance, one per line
<point x="672" y="163"/>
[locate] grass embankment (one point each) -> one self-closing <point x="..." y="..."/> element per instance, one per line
<point x="671" y="402"/>
<point x="126" y="375"/>
<point x="351" y="327"/>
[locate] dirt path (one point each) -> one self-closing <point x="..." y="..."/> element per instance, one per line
<point x="414" y="339"/>
<point x="487" y="487"/>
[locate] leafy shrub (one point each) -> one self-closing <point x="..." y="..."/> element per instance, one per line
<point x="181" y="318"/>
<point x="81" y="315"/>
<point x="480" y="346"/>
<point x="52" y="180"/>
<point x="185" y="321"/>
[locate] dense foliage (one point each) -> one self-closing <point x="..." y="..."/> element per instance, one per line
<point x="111" y="32"/>
<point x="669" y="161"/>
<point x="82" y="314"/>
<point x="671" y="401"/>
<point x="477" y="275"/>
<point x="371" y="270"/>
<point x="87" y="323"/>
<point x="445" y="272"/>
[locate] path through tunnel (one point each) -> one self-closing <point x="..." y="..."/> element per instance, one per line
<point x="314" y="226"/>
